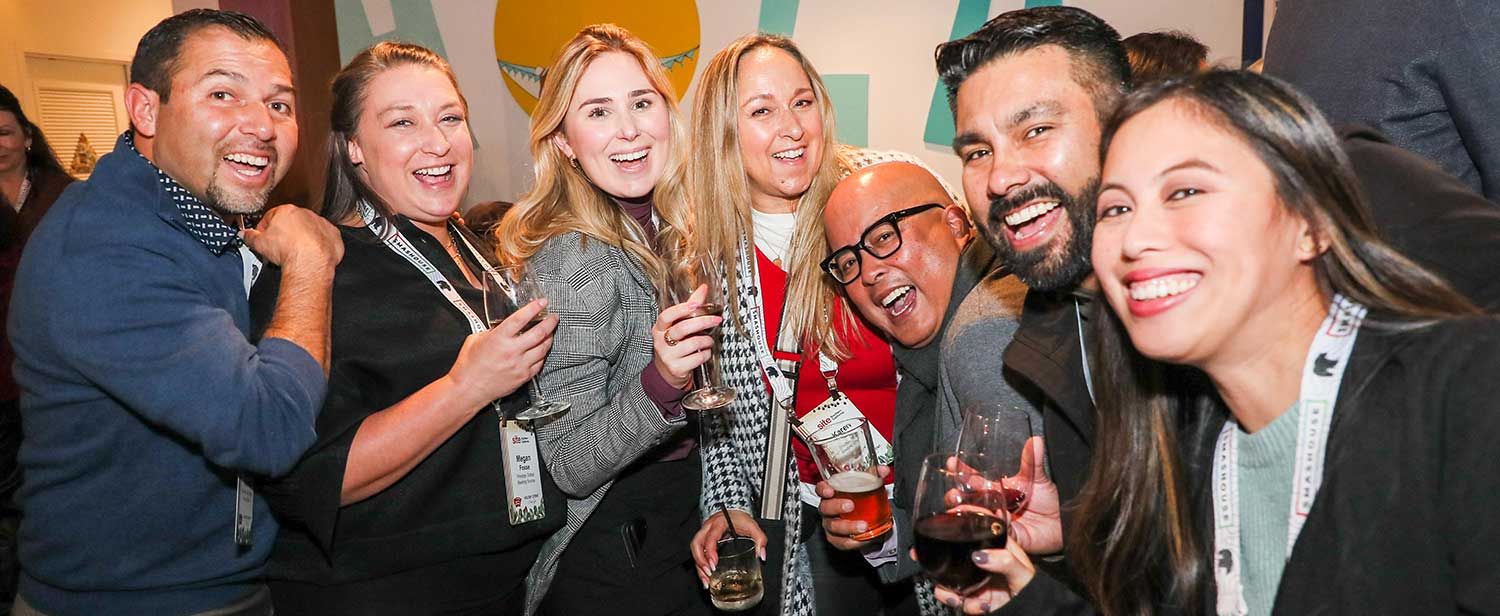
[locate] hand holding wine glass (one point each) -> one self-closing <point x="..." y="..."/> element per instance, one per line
<point x="494" y="363"/>
<point x="993" y="442"/>
<point x="513" y="286"/>
<point x="680" y="346"/>
<point x="695" y="277"/>
<point x="954" y="516"/>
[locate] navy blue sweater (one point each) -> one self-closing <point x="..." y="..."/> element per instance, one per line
<point x="142" y="400"/>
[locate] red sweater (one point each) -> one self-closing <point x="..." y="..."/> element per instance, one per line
<point x="868" y="377"/>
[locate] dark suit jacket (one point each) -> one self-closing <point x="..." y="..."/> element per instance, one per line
<point x="1424" y="72"/>
<point x="1429" y="215"/>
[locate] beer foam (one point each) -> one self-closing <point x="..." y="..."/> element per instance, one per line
<point x="854" y="482"/>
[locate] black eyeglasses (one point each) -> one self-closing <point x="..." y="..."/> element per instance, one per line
<point x="881" y="239"/>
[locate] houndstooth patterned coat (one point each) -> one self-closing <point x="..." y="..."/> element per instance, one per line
<point x="734" y="444"/>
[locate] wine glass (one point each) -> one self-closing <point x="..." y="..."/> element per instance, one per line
<point x="955" y="516"/>
<point x="509" y="287"/>
<point x="691" y="272"/>
<point x="992" y="443"/>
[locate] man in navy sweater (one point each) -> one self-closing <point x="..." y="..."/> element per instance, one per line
<point x="148" y="414"/>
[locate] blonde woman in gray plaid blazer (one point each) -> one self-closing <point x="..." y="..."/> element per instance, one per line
<point x="606" y="221"/>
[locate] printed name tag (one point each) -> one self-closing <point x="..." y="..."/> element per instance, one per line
<point x="244" y="511"/>
<point x="523" y="473"/>
<point x="835" y="411"/>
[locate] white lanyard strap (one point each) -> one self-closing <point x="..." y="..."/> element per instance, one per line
<point x="401" y="246"/>
<point x="781" y="385"/>
<point x="1083" y="351"/>
<point x="1322" y="373"/>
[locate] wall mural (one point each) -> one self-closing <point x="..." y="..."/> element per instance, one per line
<point x="528" y="35"/>
<point x="875" y="55"/>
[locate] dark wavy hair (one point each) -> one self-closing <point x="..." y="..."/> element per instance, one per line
<point x="40" y="156"/>
<point x="344" y="189"/>
<point x="1098" y="60"/>
<point x="1134" y="540"/>
<point x="155" y="61"/>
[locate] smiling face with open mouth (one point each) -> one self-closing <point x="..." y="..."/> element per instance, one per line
<point x="618" y="127"/>
<point x="1028" y="137"/>
<point x="1194" y="249"/>
<point x="412" y="143"/>
<point x="228" y="130"/>
<point x="906" y="294"/>
<point x="780" y="128"/>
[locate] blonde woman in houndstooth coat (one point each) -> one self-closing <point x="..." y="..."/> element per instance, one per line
<point x="764" y="159"/>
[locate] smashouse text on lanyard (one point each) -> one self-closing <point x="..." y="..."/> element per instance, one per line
<point x="523" y="475"/>
<point x="1322" y="373"/>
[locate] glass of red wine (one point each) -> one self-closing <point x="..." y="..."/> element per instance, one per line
<point x="691" y="272"/>
<point x="992" y="443"/>
<point x="955" y="515"/>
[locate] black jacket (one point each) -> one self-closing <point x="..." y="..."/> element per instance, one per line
<point x="1429" y="215"/>
<point x="1402" y="523"/>
<point x="1424" y="212"/>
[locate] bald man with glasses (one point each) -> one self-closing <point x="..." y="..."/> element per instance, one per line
<point x="904" y="253"/>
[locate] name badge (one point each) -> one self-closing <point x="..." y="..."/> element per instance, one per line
<point x="837" y="410"/>
<point x="244" y="511"/>
<point x="523" y="473"/>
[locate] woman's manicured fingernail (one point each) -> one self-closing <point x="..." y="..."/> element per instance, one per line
<point x="980" y="557"/>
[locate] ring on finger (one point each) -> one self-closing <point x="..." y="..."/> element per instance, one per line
<point x="667" y="335"/>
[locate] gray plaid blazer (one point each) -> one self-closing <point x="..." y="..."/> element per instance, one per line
<point x="602" y="343"/>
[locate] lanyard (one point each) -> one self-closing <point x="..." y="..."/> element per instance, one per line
<point x="1083" y="351"/>
<point x="1321" y="376"/>
<point x="244" y="495"/>
<point x="401" y="246"/>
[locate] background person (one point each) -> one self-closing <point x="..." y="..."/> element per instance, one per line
<point x="1421" y="73"/>
<point x="400" y="506"/>
<point x="148" y="411"/>
<point x="1163" y="55"/>
<point x="607" y="221"/>
<point x="31" y="178"/>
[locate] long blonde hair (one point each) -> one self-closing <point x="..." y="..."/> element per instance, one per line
<point x="563" y="199"/>
<point x="721" y="190"/>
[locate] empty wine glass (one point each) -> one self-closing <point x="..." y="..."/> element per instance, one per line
<point x="955" y="516"/>
<point x="689" y="273"/>
<point x="992" y="443"/>
<point x="512" y="286"/>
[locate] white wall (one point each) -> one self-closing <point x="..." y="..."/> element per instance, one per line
<point x="890" y="40"/>
<point x="91" y="29"/>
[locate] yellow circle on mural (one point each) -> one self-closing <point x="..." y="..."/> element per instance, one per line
<point x="529" y="34"/>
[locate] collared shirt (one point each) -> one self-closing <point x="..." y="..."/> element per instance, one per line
<point x="206" y="225"/>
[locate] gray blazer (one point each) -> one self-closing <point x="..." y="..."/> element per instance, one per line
<point x="602" y="343"/>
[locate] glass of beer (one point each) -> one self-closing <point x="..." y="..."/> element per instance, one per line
<point x="736" y="583"/>
<point x="845" y="454"/>
<point x="955" y="515"/>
